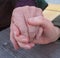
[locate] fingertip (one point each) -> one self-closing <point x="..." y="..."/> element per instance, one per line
<point x="35" y="20"/>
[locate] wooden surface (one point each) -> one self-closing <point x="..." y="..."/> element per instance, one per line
<point x="52" y="11"/>
<point x="54" y="7"/>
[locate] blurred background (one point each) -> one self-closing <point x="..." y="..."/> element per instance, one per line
<point x="53" y="1"/>
<point x="53" y="9"/>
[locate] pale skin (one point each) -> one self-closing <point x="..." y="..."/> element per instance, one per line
<point x="29" y="27"/>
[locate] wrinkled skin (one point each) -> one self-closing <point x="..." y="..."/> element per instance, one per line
<point x="50" y="32"/>
<point x="19" y="20"/>
<point x="29" y="27"/>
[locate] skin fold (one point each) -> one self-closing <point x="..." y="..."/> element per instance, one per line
<point x="29" y="27"/>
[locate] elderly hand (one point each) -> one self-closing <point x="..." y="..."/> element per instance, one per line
<point x="50" y="32"/>
<point x="22" y="33"/>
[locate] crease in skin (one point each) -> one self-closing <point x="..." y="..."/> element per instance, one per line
<point x="39" y="33"/>
<point x="19" y="16"/>
<point x="29" y="27"/>
<point x="26" y="25"/>
<point x="36" y="28"/>
<point x="17" y="27"/>
<point x="34" y="13"/>
<point x="33" y="35"/>
<point x="14" y="42"/>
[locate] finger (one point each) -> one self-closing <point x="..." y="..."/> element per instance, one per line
<point x="39" y="12"/>
<point x="35" y="14"/>
<point x="19" y="20"/>
<point x="42" y="41"/>
<point x="26" y="16"/>
<point x="28" y="13"/>
<point x="32" y="29"/>
<point x="36" y="21"/>
<point x="16" y="30"/>
<point x="15" y="44"/>
<point x="18" y="36"/>
<point x="39" y="39"/>
<point x="32" y="32"/>
<point x="26" y="46"/>
<point x="32" y="11"/>
<point x="40" y="32"/>
<point x="21" y="38"/>
<point x="40" y="21"/>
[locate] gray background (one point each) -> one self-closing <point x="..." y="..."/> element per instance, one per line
<point x="39" y="51"/>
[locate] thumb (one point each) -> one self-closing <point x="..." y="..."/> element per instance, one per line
<point x="39" y="21"/>
<point x="35" y="20"/>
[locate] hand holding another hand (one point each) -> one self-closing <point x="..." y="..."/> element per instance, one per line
<point x="29" y="27"/>
<point x="19" y="23"/>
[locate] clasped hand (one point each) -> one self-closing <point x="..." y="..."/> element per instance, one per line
<point x="29" y="27"/>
